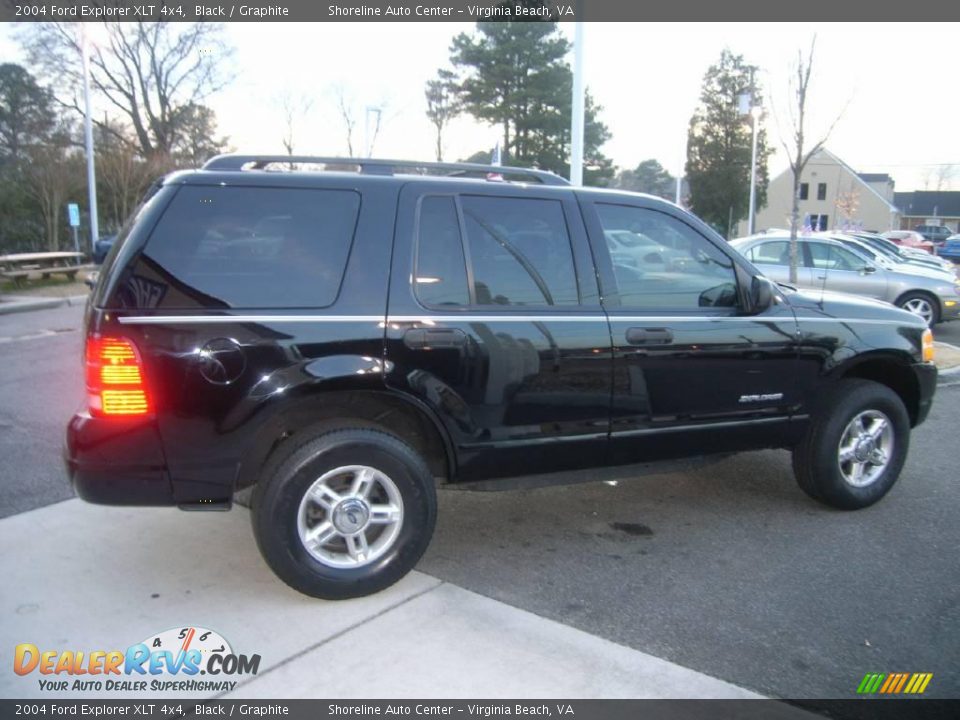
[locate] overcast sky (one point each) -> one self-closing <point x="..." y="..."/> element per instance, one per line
<point x="899" y="80"/>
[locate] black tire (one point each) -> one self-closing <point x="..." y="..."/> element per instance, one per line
<point x="929" y="299"/>
<point x="815" y="459"/>
<point x="285" y="480"/>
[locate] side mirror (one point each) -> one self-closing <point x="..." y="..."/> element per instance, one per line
<point x="763" y="294"/>
<point x="91" y="279"/>
<point x="868" y="269"/>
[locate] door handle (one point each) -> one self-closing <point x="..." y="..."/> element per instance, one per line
<point x="649" y="336"/>
<point x="431" y="338"/>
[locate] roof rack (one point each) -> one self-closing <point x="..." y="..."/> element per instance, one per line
<point x="370" y="166"/>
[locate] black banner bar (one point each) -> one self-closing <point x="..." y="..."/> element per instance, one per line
<point x="855" y="11"/>
<point x="153" y="709"/>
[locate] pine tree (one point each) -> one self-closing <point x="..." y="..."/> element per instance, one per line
<point x="514" y="75"/>
<point x="718" y="146"/>
<point x="648" y="177"/>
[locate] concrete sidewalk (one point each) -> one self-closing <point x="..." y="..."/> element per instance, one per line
<point x="84" y="577"/>
<point x="24" y="303"/>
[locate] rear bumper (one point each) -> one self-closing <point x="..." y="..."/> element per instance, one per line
<point x="116" y="462"/>
<point x="926" y="374"/>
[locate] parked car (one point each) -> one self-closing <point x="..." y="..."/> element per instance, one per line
<point x="642" y="253"/>
<point x="937" y="234"/>
<point x="910" y="239"/>
<point x="828" y="265"/>
<point x="951" y="249"/>
<point x="426" y="323"/>
<point x="891" y="262"/>
<point x="101" y="247"/>
<point x="902" y="254"/>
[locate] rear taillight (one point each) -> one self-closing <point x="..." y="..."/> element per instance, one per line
<point x="115" y="378"/>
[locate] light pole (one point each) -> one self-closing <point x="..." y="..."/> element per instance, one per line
<point x="576" y="119"/>
<point x="369" y="140"/>
<point x="88" y="138"/>
<point x="747" y="106"/>
<point x="755" y="113"/>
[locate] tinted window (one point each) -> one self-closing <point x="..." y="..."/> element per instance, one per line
<point x="441" y="276"/>
<point x="669" y="266"/>
<point x="831" y="257"/>
<point x="221" y="247"/>
<point x="520" y="251"/>
<point x="770" y="253"/>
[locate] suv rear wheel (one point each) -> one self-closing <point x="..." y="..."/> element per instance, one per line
<point x="854" y="448"/>
<point x="344" y="514"/>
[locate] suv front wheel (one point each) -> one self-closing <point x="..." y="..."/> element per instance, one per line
<point x="344" y="514"/>
<point x="855" y="446"/>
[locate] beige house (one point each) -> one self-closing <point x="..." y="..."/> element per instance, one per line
<point x="832" y="196"/>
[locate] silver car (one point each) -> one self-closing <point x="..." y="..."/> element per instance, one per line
<point x="827" y="264"/>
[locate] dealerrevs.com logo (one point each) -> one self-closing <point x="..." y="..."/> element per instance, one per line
<point x="171" y="661"/>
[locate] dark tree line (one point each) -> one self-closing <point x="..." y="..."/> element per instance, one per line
<point x="149" y="83"/>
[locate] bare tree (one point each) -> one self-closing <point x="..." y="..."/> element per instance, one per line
<point x="148" y="72"/>
<point x="799" y="151"/>
<point x="944" y="175"/>
<point x="122" y="175"/>
<point x="293" y="109"/>
<point x="52" y="173"/>
<point x="442" y="104"/>
<point x="345" y="107"/>
<point x="848" y="204"/>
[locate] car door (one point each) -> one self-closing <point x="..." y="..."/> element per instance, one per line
<point x="772" y="258"/>
<point x="837" y="269"/>
<point x="495" y="325"/>
<point x="692" y="372"/>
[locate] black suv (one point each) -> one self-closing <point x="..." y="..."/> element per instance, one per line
<point x="343" y="335"/>
<point x="936" y="234"/>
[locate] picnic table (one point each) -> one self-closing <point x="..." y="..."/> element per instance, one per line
<point x="19" y="266"/>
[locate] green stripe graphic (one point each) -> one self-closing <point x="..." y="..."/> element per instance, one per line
<point x="871" y="683"/>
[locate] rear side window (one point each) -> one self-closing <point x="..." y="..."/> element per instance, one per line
<point x="233" y="247"/>
<point x="506" y="252"/>
<point x="770" y="253"/>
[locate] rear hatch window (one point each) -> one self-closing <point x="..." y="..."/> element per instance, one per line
<point x="244" y="247"/>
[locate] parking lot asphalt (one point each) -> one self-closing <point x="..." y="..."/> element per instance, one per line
<point x="729" y="570"/>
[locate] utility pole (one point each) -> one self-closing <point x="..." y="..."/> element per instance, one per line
<point x="88" y="139"/>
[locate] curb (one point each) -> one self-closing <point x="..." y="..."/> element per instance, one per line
<point x="949" y="372"/>
<point x="38" y="303"/>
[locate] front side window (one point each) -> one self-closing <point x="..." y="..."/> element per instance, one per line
<point x="519" y="251"/>
<point x="661" y="263"/>
<point x="830" y="257"/>
<point x="237" y="247"/>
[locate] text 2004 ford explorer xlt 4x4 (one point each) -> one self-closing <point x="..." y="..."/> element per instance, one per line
<point x="343" y="340"/>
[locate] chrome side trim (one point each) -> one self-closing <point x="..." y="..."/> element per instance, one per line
<point x="214" y="319"/>
<point x="706" y="425"/>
